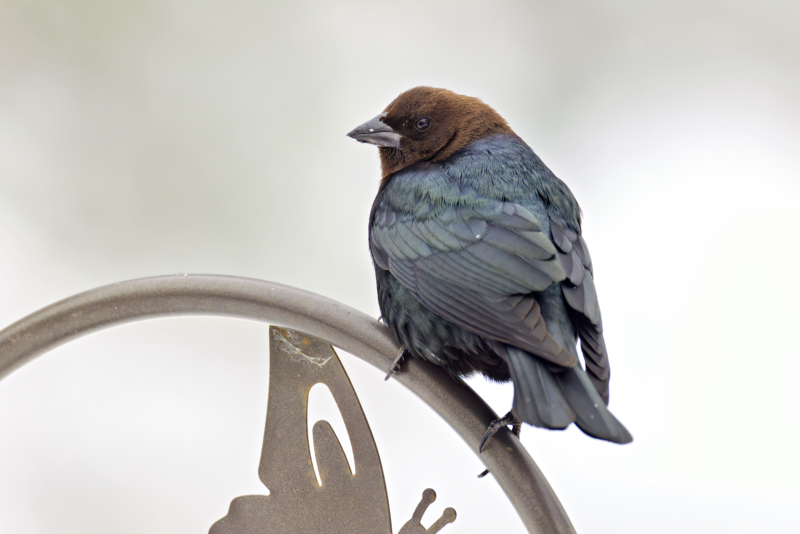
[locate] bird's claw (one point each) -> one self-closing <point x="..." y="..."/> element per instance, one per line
<point x="497" y="424"/>
<point x="494" y="427"/>
<point x="395" y="367"/>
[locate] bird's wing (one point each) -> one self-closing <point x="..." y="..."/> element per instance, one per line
<point x="476" y="267"/>
<point x="581" y="297"/>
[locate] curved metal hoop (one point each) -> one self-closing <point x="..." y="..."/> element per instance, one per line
<point x="280" y="305"/>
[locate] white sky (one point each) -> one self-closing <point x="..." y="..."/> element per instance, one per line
<point x="147" y="138"/>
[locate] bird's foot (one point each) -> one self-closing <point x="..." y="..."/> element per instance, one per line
<point x="497" y="424"/>
<point x="395" y="367"/>
<point x="494" y="427"/>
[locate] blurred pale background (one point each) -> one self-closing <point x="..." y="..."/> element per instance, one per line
<point x="150" y="137"/>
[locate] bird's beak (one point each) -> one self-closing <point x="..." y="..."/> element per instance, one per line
<point x="376" y="132"/>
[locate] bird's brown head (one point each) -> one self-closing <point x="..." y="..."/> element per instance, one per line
<point x="428" y="124"/>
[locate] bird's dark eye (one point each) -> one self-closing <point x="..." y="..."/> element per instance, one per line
<point x="422" y="124"/>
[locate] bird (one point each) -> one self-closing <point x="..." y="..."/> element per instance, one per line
<point x="480" y="264"/>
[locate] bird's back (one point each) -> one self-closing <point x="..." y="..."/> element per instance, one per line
<point x="497" y="169"/>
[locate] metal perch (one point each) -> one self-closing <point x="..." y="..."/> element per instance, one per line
<point x="336" y="323"/>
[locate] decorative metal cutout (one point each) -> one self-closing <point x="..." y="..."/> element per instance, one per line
<point x="344" y="503"/>
<point x="415" y="527"/>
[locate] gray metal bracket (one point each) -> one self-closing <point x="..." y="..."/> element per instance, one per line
<point x="334" y="322"/>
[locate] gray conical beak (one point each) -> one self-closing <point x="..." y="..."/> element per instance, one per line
<point x="376" y="132"/>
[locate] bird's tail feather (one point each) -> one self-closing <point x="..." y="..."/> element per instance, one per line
<point x="538" y="398"/>
<point x="553" y="400"/>
<point x="592" y="415"/>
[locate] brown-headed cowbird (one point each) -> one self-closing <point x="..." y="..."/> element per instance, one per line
<point x="480" y="263"/>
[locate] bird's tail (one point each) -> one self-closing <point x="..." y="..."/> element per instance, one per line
<point x="555" y="399"/>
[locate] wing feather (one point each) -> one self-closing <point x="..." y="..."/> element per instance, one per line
<point x="581" y="296"/>
<point x="477" y="267"/>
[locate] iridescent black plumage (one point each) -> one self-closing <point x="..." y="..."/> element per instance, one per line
<point x="479" y="261"/>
